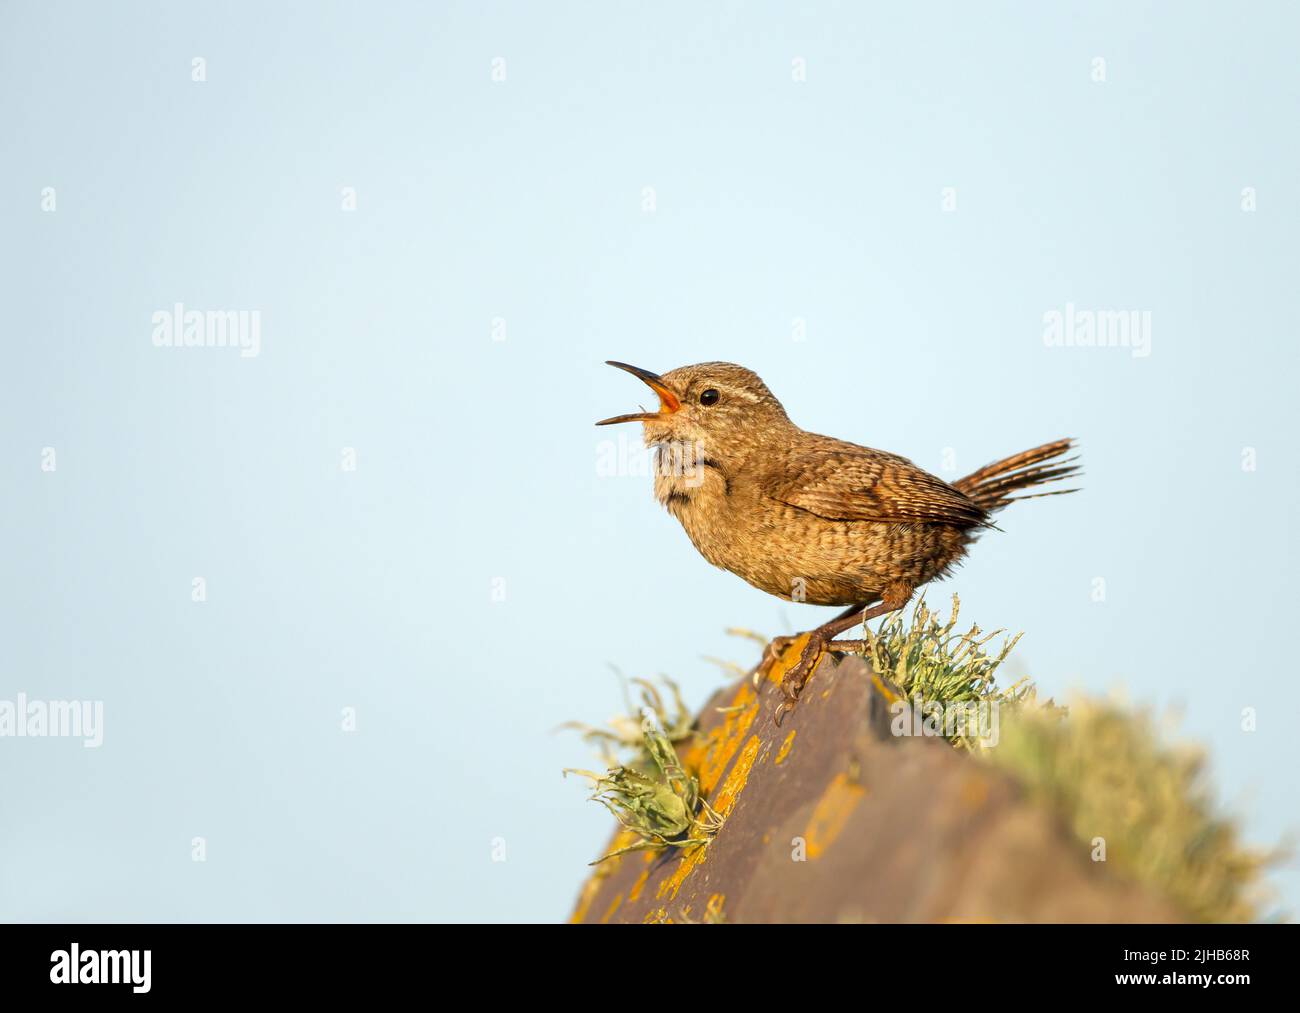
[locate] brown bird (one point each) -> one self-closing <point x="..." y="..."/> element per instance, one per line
<point x="811" y="518"/>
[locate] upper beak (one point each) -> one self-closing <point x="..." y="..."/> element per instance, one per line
<point x="668" y="401"/>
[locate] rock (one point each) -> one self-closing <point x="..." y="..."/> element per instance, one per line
<point x="831" y="818"/>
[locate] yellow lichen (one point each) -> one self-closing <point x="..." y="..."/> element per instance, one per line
<point x="635" y="893"/>
<point x="710" y="757"/>
<point x="592" y="887"/>
<point x="832" y="813"/>
<point x="883" y="689"/>
<point x="787" y="659"/>
<point x="730" y="791"/>
<point x="609" y="913"/>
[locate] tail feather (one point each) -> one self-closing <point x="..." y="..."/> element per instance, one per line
<point x="990" y="487"/>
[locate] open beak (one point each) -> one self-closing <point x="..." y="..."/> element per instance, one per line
<point x="668" y="401"/>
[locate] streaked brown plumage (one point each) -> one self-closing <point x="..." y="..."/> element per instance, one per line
<point x="808" y="517"/>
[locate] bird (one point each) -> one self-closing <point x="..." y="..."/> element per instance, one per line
<point x="811" y="518"/>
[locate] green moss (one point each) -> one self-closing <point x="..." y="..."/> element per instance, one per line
<point x="660" y="801"/>
<point x="626" y="732"/>
<point x="929" y="662"/>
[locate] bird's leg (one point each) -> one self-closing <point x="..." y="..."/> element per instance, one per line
<point x="821" y="640"/>
<point x="795" y="679"/>
<point x="775" y="649"/>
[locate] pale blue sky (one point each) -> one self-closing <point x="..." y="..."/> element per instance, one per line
<point x="522" y="200"/>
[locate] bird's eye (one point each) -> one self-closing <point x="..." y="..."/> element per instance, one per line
<point x="709" y="397"/>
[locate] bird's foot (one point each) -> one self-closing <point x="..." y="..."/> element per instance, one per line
<point x="822" y="640"/>
<point x="793" y="682"/>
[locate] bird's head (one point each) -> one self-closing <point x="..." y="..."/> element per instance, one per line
<point x="717" y="405"/>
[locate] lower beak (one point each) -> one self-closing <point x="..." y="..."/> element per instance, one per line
<point x="668" y="401"/>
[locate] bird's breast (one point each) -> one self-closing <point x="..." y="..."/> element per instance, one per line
<point x="701" y="499"/>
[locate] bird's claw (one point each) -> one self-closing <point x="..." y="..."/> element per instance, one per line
<point x="795" y="679"/>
